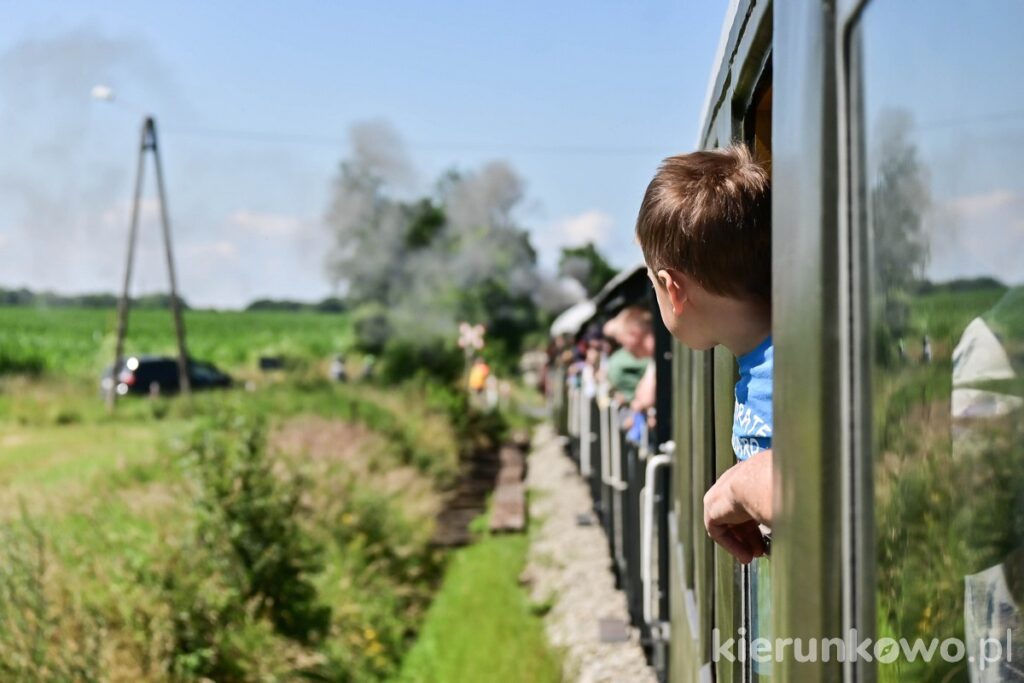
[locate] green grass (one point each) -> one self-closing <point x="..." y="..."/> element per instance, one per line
<point x="480" y="626"/>
<point x="111" y="498"/>
<point x="58" y="456"/>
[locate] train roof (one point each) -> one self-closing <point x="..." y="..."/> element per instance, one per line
<point x="571" y="319"/>
<point x="721" y="65"/>
<point x="623" y="289"/>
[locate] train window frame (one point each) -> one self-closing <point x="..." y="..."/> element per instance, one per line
<point x="810" y="328"/>
<point x="857" y="531"/>
<point x="742" y="69"/>
<point x="757" y="129"/>
<point x="742" y="80"/>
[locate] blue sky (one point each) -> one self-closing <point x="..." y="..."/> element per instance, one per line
<point x="254" y="102"/>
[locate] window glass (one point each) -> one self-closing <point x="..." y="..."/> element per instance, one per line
<point x="941" y="118"/>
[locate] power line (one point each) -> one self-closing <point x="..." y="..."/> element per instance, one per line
<point x="318" y="140"/>
<point x="990" y="117"/>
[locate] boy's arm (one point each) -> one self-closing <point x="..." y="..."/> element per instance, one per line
<point x="737" y="503"/>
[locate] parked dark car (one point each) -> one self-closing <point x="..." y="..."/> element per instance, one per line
<point x="143" y="374"/>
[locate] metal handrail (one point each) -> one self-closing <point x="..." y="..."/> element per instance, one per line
<point x="604" y="417"/>
<point x="616" y="481"/>
<point x="663" y="459"/>
<point x="585" y="435"/>
<point x="571" y="418"/>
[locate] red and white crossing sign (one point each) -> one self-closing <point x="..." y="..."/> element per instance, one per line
<point x="471" y="336"/>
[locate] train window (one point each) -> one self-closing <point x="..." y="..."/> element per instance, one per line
<point x="758" y="589"/>
<point x="758" y="121"/>
<point x="940" y="122"/>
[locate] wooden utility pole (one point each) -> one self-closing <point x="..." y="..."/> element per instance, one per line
<point x="148" y="143"/>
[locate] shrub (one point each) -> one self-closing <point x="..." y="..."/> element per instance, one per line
<point x="371" y="327"/>
<point x="404" y="360"/>
<point x="214" y="631"/>
<point x="251" y="508"/>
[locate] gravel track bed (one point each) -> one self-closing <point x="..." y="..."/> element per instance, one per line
<point x="569" y="567"/>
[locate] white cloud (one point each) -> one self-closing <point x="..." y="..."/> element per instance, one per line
<point x="974" y="205"/>
<point x="590" y="226"/>
<point x="267" y="224"/>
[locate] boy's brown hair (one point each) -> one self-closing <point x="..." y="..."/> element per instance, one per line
<point x="708" y="214"/>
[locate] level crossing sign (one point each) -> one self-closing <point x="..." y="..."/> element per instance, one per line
<point x="471" y="336"/>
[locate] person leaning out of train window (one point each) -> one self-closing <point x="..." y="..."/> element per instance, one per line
<point x="705" y="230"/>
<point x="630" y="365"/>
<point x="610" y="335"/>
<point x="624" y="368"/>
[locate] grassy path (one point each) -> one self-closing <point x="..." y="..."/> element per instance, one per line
<point x="480" y="626"/>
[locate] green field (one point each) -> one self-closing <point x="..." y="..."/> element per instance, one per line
<point x="135" y="545"/>
<point x="274" y="532"/>
<point x="80" y="341"/>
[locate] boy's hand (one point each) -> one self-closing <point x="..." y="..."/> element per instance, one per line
<point x="737" y="504"/>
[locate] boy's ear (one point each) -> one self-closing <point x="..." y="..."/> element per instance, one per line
<point x="675" y="285"/>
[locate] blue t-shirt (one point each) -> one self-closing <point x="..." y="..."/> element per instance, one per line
<point x="752" y="418"/>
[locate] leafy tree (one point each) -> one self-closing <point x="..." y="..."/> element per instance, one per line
<point x="425" y="222"/>
<point x="275" y="305"/>
<point x="414" y="268"/>
<point x="587" y="266"/>
<point x="899" y="200"/>
<point x="27" y="297"/>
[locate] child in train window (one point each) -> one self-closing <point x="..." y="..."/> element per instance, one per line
<point x="705" y="231"/>
<point x="630" y="372"/>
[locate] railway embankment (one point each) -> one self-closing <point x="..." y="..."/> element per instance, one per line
<point x="569" y="569"/>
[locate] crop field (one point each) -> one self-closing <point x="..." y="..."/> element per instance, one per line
<point x="80" y="342"/>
